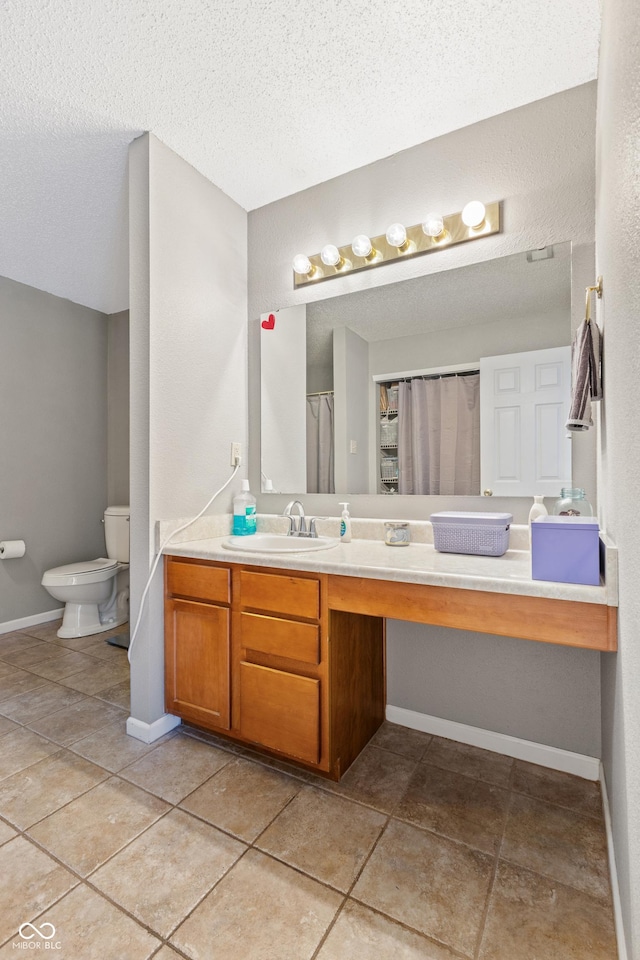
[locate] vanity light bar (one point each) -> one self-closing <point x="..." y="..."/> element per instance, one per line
<point x="398" y="243"/>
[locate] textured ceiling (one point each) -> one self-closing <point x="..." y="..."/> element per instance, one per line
<point x="264" y="98"/>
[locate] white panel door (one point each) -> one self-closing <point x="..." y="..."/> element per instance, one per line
<point x="524" y="404"/>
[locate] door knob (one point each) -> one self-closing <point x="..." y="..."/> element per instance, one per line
<point x="487" y="493"/>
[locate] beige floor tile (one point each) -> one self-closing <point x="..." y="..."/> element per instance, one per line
<point x="8" y="669"/>
<point x="31" y="882"/>
<point x="531" y="916"/>
<point x="99" y="676"/>
<point x="20" y="749"/>
<point x="76" y="643"/>
<point x="63" y="666"/>
<point x="361" y="934"/>
<point x="167" y="954"/>
<point x="434" y="885"/>
<point x="77" y="721"/>
<point x="44" y="631"/>
<point x="42" y="788"/>
<point x="176" y="767"/>
<point x="162" y="875"/>
<point x="242" y="798"/>
<point x="558" y="787"/>
<point x="327" y="837"/>
<point x="378" y="778"/>
<point x="88" y="927"/>
<point x="112" y="748"/>
<point x="557" y="843"/>
<point x="98" y="824"/>
<point x="472" y="761"/>
<point x="15" y="643"/>
<point x="19" y="682"/>
<point x="7" y="726"/>
<point x="6" y="832"/>
<point x="35" y="651"/>
<point x="120" y="694"/>
<point x="40" y="702"/>
<point x="455" y="806"/>
<point x="106" y="651"/>
<point x="408" y="743"/>
<point x="261" y="910"/>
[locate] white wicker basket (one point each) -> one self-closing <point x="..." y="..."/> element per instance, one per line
<point x="389" y="468"/>
<point x="388" y="433"/>
<point x="480" y="534"/>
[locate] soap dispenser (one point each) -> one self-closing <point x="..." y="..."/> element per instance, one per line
<point x="345" y="524"/>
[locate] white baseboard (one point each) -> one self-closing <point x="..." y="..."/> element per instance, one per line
<point x="575" y="763"/>
<point x="149" y="732"/>
<point x="615" y="889"/>
<point x="10" y="625"/>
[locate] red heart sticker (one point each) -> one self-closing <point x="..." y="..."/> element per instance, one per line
<point x="270" y="323"/>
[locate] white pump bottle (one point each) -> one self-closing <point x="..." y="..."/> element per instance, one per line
<point x="345" y="524"/>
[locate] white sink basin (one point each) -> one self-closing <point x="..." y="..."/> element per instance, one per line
<point x="278" y="543"/>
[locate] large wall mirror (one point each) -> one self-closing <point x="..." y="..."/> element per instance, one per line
<point x="430" y="385"/>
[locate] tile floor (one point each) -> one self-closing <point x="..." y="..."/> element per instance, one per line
<point x="190" y="847"/>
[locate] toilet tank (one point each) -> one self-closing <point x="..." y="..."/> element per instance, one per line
<point x="116" y="533"/>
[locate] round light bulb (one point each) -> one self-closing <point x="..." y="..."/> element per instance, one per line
<point x="361" y="246"/>
<point x="302" y="265"/>
<point x="396" y="235"/>
<point x="330" y="255"/>
<point x="433" y="225"/>
<point x="473" y="214"/>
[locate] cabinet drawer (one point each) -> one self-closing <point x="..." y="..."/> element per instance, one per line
<point x="281" y="638"/>
<point x="198" y="581"/>
<point x="281" y="711"/>
<point x="295" y="596"/>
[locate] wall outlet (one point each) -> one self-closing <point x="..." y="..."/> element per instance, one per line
<point x="353" y="446"/>
<point x="236" y="454"/>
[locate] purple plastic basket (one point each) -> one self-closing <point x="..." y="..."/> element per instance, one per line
<point x="479" y="534"/>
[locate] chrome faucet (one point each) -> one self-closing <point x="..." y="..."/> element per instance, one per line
<point x="299" y="528"/>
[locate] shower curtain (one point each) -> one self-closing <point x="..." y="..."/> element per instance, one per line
<point x="439" y="435"/>
<point x="320" y="444"/>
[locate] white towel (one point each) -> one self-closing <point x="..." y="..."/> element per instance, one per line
<point x="586" y="357"/>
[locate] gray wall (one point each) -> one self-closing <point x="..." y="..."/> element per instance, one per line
<point x="539" y="159"/>
<point x="118" y="408"/>
<point x="618" y="258"/>
<point x="53" y="440"/>
<point x="188" y="283"/>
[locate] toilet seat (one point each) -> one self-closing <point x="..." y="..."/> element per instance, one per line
<point x="89" y="571"/>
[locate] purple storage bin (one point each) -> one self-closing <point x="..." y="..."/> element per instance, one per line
<point x="566" y="550"/>
<point x="478" y="534"/>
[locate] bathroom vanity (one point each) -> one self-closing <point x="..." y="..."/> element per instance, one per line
<point x="286" y="653"/>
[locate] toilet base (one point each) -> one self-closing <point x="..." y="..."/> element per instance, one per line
<point x="83" y="619"/>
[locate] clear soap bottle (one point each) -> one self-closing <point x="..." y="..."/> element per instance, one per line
<point x="244" y="512"/>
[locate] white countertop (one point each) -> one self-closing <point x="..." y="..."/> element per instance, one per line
<point x="415" y="563"/>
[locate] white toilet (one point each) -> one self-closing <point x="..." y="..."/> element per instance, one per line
<point x="96" y="592"/>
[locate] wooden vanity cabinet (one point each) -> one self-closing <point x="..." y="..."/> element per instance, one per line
<point x="288" y="676"/>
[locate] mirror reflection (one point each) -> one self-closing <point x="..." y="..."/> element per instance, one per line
<point x="442" y="384"/>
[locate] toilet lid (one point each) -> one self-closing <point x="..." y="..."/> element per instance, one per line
<point x="81" y="571"/>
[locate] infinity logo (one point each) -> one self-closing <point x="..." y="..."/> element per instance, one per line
<point x="40" y="932"/>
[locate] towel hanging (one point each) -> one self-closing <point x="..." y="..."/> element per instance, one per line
<point x="586" y="361"/>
